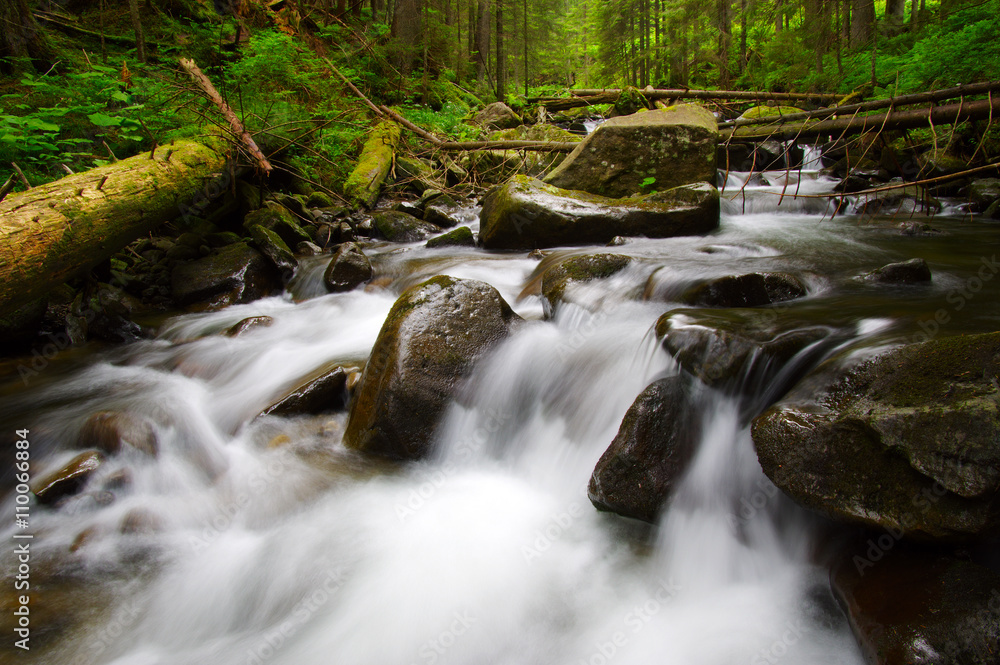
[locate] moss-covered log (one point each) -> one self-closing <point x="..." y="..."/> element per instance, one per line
<point x="365" y="182"/>
<point x="57" y="231"/>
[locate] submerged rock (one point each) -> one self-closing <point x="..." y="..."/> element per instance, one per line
<point x="632" y="154"/>
<point x="248" y="324"/>
<point x="730" y="291"/>
<point x="914" y="271"/>
<point x="235" y="274"/>
<point x="430" y="341"/>
<point x="316" y="394"/>
<point x="348" y="269"/>
<point x="526" y="213"/>
<point x="67" y="480"/>
<point x="913" y="607"/>
<point x="109" y="431"/>
<point x="905" y="441"/>
<point x="579" y="269"/>
<point x="655" y="443"/>
<point x="725" y="348"/>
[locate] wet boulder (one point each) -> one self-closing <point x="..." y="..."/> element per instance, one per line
<point x="68" y="479"/>
<point x="526" y="213"/>
<point x="248" y="324"/>
<point x="348" y="269"/>
<point x="914" y="271"/>
<point x="628" y="155"/>
<point x="496" y="116"/>
<point x="235" y="274"/>
<point x="782" y="286"/>
<point x="324" y="391"/>
<point x="725" y="348"/>
<point x="402" y="227"/>
<point x="277" y="218"/>
<point x="110" y="431"/>
<point x="274" y="248"/>
<point x="905" y="441"/>
<point x="442" y="211"/>
<point x="747" y="290"/>
<point x="909" y="607"/>
<point x="430" y="341"/>
<point x="460" y="237"/>
<point x="982" y="193"/>
<point x="578" y="270"/>
<point x="655" y="443"/>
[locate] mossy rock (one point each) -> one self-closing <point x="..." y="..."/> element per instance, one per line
<point x="274" y="248"/>
<point x="277" y="218"/>
<point x="672" y="146"/>
<point x="432" y="338"/>
<point x="234" y="274"/>
<point x="906" y="441"/>
<point x="526" y="213"/>
<point x="460" y="237"/>
<point x="401" y="227"/>
<point x="579" y="269"/>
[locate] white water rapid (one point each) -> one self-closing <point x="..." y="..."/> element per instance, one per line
<point x="250" y="541"/>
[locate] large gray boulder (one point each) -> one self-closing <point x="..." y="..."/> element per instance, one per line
<point x="655" y="443"/>
<point x="431" y="339"/>
<point x="907" y="441"/>
<point x="673" y="146"/>
<point x="525" y="213"/>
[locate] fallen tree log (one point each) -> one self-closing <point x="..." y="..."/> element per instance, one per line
<point x="535" y="146"/>
<point x="60" y="230"/>
<point x="855" y="124"/>
<point x="662" y="93"/>
<point x="874" y="105"/>
<point x="364" y="184"/>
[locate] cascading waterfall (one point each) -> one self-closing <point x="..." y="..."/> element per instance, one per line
<point x="265" y="541"/>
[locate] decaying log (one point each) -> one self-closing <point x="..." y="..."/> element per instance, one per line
<point x="365" y="182"/>
<point x="714" y="94"/>
<point x="935" y="115"/>
<point x="239" y="131"/>
<point x="530" y="146"/>
<point x="874" y="105"/>
<point x="57" y="231"/>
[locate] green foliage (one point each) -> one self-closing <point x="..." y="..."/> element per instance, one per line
<point x="448" y="121"/>
<point x="67" y="119"/>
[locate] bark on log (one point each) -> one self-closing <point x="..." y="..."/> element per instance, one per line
<point x="531" y="146"/>
<point x="875" y="105"/>
<point x="935" y="115"/>
<point x="54" y="232"/>
<point x="365" y="182"/>
<point x="239" y="131"/>
<point x="714" y="94"/>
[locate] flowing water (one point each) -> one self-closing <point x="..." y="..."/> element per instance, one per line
<point x="263" y="540"/>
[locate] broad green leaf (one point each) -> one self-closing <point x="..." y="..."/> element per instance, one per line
<point x="103" y="120"/>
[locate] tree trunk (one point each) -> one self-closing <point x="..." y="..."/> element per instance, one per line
<point x="140" y="40"/>
<point x="895" y="15"/>
<point x="482" y="39"/>
<point x="501" y="55"/>
<point x="61" y="230"/>
<point x="862" y="22"/>
<point x="406" y="30"/>
<point x="725" y="29"/>
<point x="21" y="37"/>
